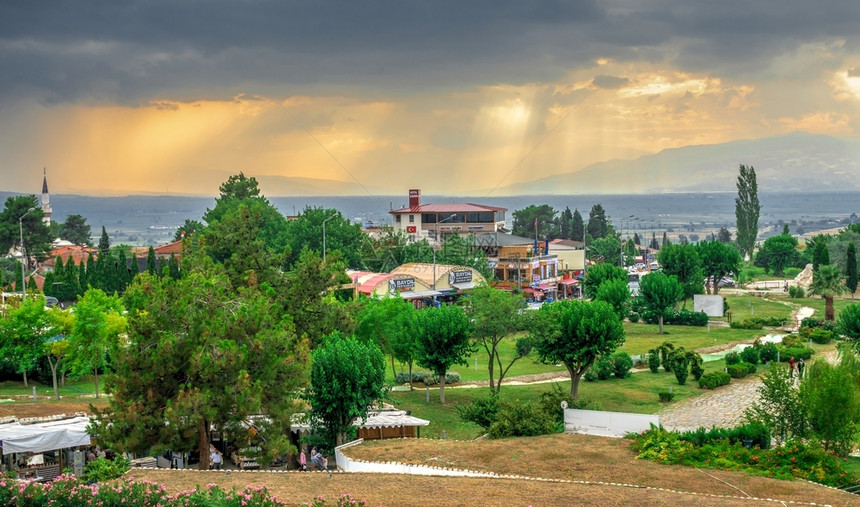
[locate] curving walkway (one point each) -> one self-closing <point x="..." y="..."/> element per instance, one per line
<point x="724" y="406"/>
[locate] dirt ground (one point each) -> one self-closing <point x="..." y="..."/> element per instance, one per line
<point x="43" y="408"/>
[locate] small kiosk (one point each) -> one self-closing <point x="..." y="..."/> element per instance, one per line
<point x="41" y="450"/>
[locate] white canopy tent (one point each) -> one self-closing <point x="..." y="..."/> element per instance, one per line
<point x="45" y="436"/>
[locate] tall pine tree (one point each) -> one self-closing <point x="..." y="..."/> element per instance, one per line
<point x="747" y="210"/>
<point x="151" y="267"/>
<point x="577" y="226"/>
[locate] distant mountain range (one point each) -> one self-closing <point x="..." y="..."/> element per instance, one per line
<point x="796" y="162"/>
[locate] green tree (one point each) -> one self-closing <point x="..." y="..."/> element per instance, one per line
<point x="495" y="315"/>
<point x="778" y="253"/>
<point x="24" y="330"/>
<point x="188" y="229"/>
<point x="660" y="293"/>
<point x="341" y="235"/>
<point x="69" y="284"/>
<point x="820" y="253"/>
<point x="829" y="394"/>
<point x="683" y="262"/>
<point x="608" y="249"/>
<point x="37" y="235"/>
<point x="851" y="269"/>
<point x="600" y="273"/>
<point x="598" y="224"/>
<point x="849" y="324"/>
<point x="575" y="333"/>
<point x="347" y="378"/>
<point x="104" y="242"/>
<point x="565" y="221"/>
<point x="542" y="215"/>
<point x="76" y="230"/>
<point x="98" y="324"/>
<point x="828" y="283"/>
<point x="616" y="292"/>
<point x="201" y="353"/>
<point x="443" y="340"/>
<point x="577" y="227"/>
<point x="724" y="236"/>
<point x="151" y="266"/>
<point x="307" y="296"/>
<point x="390" y="323"/>
<point x="779" y="407"/>
<point x="718" y="260"/>
<point x="56" y="347"/>
<point x="747" y="210"/>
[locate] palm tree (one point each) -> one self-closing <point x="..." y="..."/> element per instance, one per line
<point x="828" y="282"/>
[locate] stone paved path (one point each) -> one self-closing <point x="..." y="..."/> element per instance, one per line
<point x="722" y="407"/>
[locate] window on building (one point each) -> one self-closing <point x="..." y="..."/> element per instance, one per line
<point x="397" y="218"/>
<point x="411" y="219"/>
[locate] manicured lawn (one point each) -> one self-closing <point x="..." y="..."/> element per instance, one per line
<point x="79" y="387"/>
<point x="643" y="337"/>
<point x="818" y="303"/>
<point x="744" y="306"/>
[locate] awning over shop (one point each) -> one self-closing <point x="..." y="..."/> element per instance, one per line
<point x="463" y="286"/>
<point x="46" y="436"/>
<point x="546" y="286"/>
<point x="569" y="281"/>
<point x="529" y="289"/>
<point x="419" y="294"/>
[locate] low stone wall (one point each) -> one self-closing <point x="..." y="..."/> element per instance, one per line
<point x="350" y="465"/>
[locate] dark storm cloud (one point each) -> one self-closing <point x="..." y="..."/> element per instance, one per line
<point x="137" y="51"/>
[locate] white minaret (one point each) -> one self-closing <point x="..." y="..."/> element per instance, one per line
<point x="46" y="198"/>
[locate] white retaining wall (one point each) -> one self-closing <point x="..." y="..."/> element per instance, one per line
<point x="607" y="424"/>
<point x="349" y="465"/>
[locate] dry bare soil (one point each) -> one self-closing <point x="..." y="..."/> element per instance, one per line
<point x="576" y="470"/>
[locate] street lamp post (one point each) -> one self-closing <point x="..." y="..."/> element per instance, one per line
<point x="324" y="221"/>
<point x="436" y="240"/>
<point x="621" y="239"/>
<point x="21" y="233"/>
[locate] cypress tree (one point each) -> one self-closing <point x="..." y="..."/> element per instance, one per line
<point x="636" y="238"/>
<point x="91" y="272"/>
<point x="577" y="227"/>
<point x="71" y="285"/>
<point x="82" y="276"/>
<point x="104" y="242"/>
<point x="31" y="285"/>
<point x="150" y="261"/>
<point x="123" y="273"/>
<point x="173" y="267"/>
<point x="851" y="269"/>
<point x="49" y="288"/>
<point x="747" y="210"/>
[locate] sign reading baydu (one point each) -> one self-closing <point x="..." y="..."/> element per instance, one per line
<point x="401" y="284"/>
<point x="459" y="277"/>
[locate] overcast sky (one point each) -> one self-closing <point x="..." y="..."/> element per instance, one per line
<point x="447" y="96"/>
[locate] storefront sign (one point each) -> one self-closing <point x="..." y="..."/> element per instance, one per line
<point x="411" y="229"/>
<point x="401" y="284"/>
<point x="476" y="227"/>
<point x="459" y="277"/>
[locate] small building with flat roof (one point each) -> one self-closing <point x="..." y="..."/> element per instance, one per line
<point x="435" y="221"/>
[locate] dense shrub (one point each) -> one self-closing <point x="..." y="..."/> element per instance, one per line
<point x="696" y="369"/>
<point x="746" y="324"/>
<point x="451" y="377"/>
<point x="102" y="470"/>
<point x="622" y="363"/>
<point x="681" y="369"/>
<point x="818" y="323"/>
<point x="791" y="341"/>
<point x="550" y="403"/>
<point x="791" y="272"/>
<point x="749" y="366"/>
<point x="590" y="374"/>
<point x="521" y="420"/>
<point x="666" y="396"/>
<point x="796" y="292"/>
<point x="796" y="459"/>
<point x="768" y="352"/>
<point x="757" y="433"/>
<point x="482" y="411"/>
<point x="603" y="368"/>
<point x="418" y="377"/>
<point x="821" y="336"/>
<point x="715" y="380"/>
<point x="633" y="317"/>
<point x="682" y="317"/>
<point x="732" y="358"/>
<point x="750" y="355"/>
<point x="738" y="370"/>
<point x="654" y="360"/>
<point x="796" y="352"/>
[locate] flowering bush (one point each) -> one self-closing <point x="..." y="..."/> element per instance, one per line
<point x="67" y="491"/>
<point x="796" y="459"/>
<point x="345" y="500"/>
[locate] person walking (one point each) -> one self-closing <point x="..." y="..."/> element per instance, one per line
<point x="800" y="366"/>
<point x="303" y="461"/>
<point x="791" y="367"/>
<point x="216" y="458"/>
